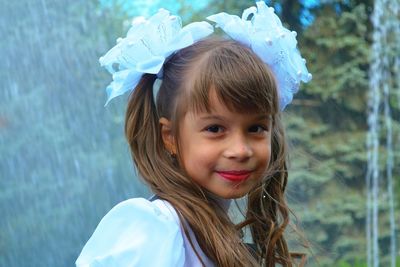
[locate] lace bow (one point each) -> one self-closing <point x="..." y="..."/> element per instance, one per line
<point x="273" y="43"/>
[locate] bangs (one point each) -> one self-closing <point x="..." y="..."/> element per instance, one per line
<point x="239" y="78"/>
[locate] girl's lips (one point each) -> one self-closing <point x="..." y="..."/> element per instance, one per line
<point x="235" y="176"/>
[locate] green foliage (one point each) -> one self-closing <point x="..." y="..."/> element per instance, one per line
<point x="329" y="147"/>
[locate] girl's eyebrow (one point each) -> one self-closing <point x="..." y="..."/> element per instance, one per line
<point x="217" y="117"/>
<point x="263" y="117"/>
<point x="211" y="117"/>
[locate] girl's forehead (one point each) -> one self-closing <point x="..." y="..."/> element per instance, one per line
<point x="217" y="108"/>
<point x="212" y="102"/>
<point x="213" y="99"/>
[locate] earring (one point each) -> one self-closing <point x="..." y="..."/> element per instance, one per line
<point x="171" y="154"/>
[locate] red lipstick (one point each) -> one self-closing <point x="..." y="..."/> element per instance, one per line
<point x="235" y="176"/>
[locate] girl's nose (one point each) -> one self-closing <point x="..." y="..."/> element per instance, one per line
<point x="239" y="148"/>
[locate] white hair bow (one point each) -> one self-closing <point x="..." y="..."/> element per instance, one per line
<point x="272" y="42"/>
<point x="146" y="47"/>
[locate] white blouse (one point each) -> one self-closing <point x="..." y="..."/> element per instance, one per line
<point x="138" y="232"/>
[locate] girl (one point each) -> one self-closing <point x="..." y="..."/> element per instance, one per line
<point x="203" y="124"/>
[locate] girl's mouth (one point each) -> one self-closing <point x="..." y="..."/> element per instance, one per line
<point x="235" y="176"/>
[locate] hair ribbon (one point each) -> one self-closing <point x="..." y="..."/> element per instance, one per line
<point x="146" y="47"/>
<point x="273" y="43"/>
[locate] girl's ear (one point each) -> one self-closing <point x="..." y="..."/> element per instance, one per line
<point x="167" y="136"/>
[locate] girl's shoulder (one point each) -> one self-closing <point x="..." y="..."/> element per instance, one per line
<point x="136" y="232"/>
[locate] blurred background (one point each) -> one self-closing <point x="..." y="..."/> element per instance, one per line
<point x="64" y="161"/>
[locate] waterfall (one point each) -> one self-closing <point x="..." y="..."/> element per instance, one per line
<point x="372" y="178"/>
<point x="395" y="28"/>
<point x="383" y="80"/>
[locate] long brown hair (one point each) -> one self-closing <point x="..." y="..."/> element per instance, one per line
<point x="242" y="82"/>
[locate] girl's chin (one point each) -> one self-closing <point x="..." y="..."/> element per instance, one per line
<point x="231" y="194"/>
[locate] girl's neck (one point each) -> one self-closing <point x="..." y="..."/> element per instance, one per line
<point x="223" y="203"/>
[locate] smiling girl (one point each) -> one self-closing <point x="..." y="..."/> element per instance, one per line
<point x="204" y="127"/>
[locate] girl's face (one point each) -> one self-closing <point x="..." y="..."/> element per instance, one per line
<point x="225" y="152"/>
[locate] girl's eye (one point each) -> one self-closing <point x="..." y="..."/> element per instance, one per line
<point x="214" y="129"/>
<point x="258" y="129"/>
